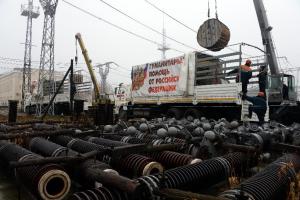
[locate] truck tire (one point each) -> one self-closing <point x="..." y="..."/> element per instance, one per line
<point x="174" y="113"/>
<point x="192" y="112"/>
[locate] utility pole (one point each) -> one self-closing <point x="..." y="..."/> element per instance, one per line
<point x="31" y="12"/>
<point x="46" y="84"/>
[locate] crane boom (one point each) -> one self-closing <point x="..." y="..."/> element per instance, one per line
<point x="89" y="66"/>
<point x="265" y="29"/>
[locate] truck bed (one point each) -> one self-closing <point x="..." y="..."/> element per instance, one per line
<point x="220" y="93"/>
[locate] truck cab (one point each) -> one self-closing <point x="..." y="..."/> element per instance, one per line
<point x="282" y="88"/>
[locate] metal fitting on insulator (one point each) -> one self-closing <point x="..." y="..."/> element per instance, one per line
<point x="111" y="171"/>
<point x="206" y="126"/>
<point x="197" y="132"/>
<point x="162" y="133"/>
<point x="143" y="127"/>
<point x="172" y="131"/>
<point x="131" y="130"/>
<point x="234" y="125"/>
<point x="210" y="135"/>
<point x="107" y="129"/>
<point x="195" y="160"/>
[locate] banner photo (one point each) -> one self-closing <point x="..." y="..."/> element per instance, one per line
<point x="162" y="79"/>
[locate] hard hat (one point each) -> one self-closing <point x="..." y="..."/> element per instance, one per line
<point x="248" y="62"/>
<point x="261" y="94"/>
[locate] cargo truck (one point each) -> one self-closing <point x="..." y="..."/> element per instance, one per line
<point x="195" y="85"/>
<point x="198" y="84"/>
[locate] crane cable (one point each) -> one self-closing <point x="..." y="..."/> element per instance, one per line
<point x="208" y="10"/>
<point x="76" y="53"/>
<point x="216" y="9"/>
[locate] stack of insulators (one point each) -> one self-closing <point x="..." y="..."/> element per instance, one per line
<point x="146" y="136"/>
<point x="125" y="139"/>
<point x="135" y="165"/>
<point x="113" y="137"/>
<point x="272" y="183"/>
<point x="170" y="159"/>
<point x="79" y="145"/>
<point x="158" y="142"/>
<point x="174" y="140"/>
<point x="101" y="193"/>
<point x="132" y="140"/>
<point x="105" y="142"/>
<point x="47" y="148"/>
<point x="198" y="175"/>
<point x="83" y="172"/>
<point x="42" y="126"/>
<point x="48" y="181"/>
<point x="61" y="140"/>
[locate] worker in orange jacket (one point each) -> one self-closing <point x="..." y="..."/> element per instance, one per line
<point x="244" y="74"/>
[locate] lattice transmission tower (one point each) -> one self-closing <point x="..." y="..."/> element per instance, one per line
<point x="46" y="84"/>
<point x="31" y="12"/>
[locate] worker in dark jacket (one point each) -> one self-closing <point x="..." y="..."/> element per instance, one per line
<point x="262" y="78"/>
<point x="244" y="75"/>
<point x="259" y="106"/>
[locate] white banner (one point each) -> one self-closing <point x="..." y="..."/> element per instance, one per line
<point x="161" y="79"/>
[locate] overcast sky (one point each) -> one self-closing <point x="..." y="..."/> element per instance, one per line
<point x="107" y="43"/>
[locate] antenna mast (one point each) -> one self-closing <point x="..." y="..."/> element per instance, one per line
<point x="163" y="47"/>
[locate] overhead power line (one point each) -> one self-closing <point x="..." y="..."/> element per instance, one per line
<point x="116" y="26"/>
<point x="145" y="25"/>
<point x="176" y="20"/>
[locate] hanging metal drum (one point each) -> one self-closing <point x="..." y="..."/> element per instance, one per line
<point x="213" y="35"/>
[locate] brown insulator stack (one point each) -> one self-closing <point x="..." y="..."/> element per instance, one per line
<point x="135" y="165"/>
<point x="47" y="181"/>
